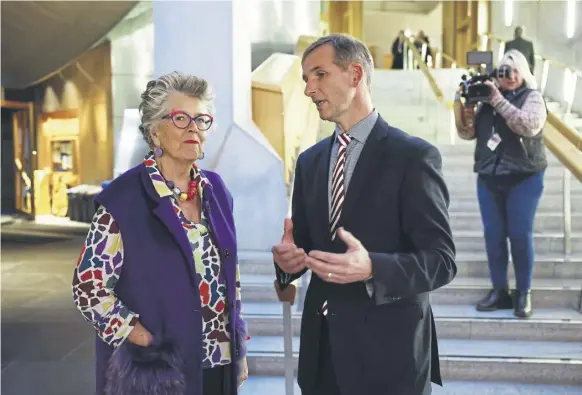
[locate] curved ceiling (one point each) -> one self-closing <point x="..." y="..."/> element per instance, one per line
<point x="41" y="37"/>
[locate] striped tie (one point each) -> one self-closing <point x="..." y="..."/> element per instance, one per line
<point x="337" y="191"/>
<point x="337" y="183"/>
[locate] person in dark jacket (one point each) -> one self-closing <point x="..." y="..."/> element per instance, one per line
<point x="158" y="275"/>
<point x="398" y="51"/>
<point x="370" y="220"/>
<point x="419" y="41"/>
<point x="522" y="45"/>
<point x="510" y="161"/>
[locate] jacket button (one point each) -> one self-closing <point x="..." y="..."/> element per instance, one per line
<point x="226" y="253"/>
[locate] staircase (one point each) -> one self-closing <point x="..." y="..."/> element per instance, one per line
<point x="481" y="353"/>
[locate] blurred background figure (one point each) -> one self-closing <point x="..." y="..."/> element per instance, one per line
<point x="522" y="45"/>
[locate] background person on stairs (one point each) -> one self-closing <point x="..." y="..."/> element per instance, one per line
<point x="510" y="161"/>
<point x="398" y="51"/>
<point x="367" y="325"/>
<point x="522" y="45"/>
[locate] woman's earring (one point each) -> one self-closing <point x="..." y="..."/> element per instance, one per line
<point x="201" y="155"/>
<point x="158" y="152"/>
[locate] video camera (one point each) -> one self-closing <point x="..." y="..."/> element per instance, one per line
<point x="473" y="88"/>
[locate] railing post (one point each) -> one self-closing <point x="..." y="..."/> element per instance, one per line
<point x="288" y="347"/>
<point x="287" y="298"/>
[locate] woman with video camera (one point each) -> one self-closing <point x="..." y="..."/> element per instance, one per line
<point x="510" y="161"/>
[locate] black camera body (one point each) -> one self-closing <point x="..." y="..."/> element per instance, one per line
<point x="473" y="89"/>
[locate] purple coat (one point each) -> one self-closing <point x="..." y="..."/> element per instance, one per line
<point x="158" y="282"/>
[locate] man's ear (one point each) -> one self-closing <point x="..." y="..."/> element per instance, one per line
<point x="357" y="74"/>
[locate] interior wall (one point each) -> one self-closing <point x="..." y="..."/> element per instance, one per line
<point x="132" y="66"/>
<point x="544" y="24"/>
<point x="381" y="28"/>
<point x="84" y="87"/>
<point x="276" y="26"/>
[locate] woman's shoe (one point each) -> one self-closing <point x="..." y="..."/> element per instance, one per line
<point x="523" y="307"/>
<point x="496" y="299"/>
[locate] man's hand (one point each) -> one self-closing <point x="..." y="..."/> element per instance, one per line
<point x="352" y="266"/>
<point x="286" y="254"/>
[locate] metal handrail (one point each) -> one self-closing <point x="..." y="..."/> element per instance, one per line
<point x="422" y="65"/>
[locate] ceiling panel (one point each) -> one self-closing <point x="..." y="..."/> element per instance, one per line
<point x="41" y="37"/>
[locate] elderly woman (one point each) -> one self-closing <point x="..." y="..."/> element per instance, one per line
<point x="158" y="275"/>
<point x="510" y="161"/>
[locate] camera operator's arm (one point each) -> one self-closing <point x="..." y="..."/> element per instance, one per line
<point x="464" y="119"/>
<point x="526" y="121"/>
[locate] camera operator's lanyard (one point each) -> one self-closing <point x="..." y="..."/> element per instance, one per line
<point x="495" y="139"/>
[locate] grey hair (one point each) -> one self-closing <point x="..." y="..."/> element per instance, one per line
<point x="155" y="97"/>
<point x="516" y="60"/>
<point x="348" y="50"/>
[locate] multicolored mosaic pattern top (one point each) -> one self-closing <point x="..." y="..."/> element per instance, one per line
<point x="100" y="265"/>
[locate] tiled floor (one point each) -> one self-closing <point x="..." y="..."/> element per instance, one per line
<point x="46" y="344"/>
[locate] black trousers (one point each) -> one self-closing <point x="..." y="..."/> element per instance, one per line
<point x="326" y="383"/>
<point x="217" y="381"/>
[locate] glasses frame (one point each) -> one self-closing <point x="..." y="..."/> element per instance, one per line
<point x="171" y="116"/>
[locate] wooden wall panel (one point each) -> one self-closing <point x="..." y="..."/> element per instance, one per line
<point x="84" y="89"/>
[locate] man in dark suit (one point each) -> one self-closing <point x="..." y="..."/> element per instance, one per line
<point x="522" y="45"/>
<point x="370" y="219"/>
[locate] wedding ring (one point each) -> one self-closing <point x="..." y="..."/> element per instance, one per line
<point x="329" y="276"/>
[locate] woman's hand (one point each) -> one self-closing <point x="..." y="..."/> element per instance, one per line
<point x="469" y="115"/>
<point x="495" y="96"/>
<point x="243" y="372"/>
<point x="140" y="336"/>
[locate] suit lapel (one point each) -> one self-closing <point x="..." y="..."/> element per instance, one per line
<point x="321" y="183"/>
<point x="364" y="171"/>
<point x="164" y="211"/>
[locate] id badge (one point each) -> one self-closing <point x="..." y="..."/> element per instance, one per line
<point x="494" y="142"/>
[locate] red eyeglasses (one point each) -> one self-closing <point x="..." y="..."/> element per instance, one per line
<point x="182" y="120"/>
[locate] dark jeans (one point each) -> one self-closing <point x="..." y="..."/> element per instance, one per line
<point x="508" y="211"/>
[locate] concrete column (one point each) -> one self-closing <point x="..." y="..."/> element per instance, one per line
<point x="210" y="39"/>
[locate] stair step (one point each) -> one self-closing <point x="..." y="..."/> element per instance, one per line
<point x="547" y="242"/>
<point x="464" y="203"/>
<point x="468" y="265"/>
<point x="275" y="385"/>
<point x="468" y="185"/>
<point x="544" y="221"/>
<point x="547" y="362"/>
<point x="546" y="293"/>
<point x="453" y="322"/>
<point x="465" y="171"/>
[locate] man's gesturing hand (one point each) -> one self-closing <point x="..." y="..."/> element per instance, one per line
<point x="352" y="266"/>
<point x="286" y="254"/>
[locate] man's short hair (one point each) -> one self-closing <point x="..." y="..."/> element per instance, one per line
<point x="348" y="50"/>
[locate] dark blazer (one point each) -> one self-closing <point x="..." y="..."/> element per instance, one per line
<point x="525" y="47"/>
<point x="397" y="206"/>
